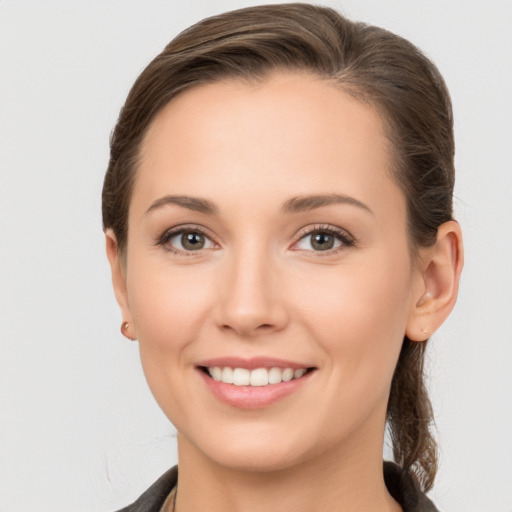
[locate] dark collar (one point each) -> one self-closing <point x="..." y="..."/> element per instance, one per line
<point x="401" y="485"/>
<point x="153" y="499"/>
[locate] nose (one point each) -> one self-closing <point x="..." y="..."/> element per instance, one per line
<point x="251" y="297"/>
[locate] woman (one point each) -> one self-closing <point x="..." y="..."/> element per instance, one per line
<point x="278" y="217"/>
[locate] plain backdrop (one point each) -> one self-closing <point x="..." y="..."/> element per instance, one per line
<point x="79" y="430"/>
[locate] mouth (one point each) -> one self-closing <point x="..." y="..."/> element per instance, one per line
<point x="256" y="377"/>
<point x="256" y="382"/>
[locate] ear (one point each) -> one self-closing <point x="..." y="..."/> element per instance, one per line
<point x="440" y="268"/>
<point x="118" y="276"/>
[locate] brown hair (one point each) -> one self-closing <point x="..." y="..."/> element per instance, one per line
<point x="367" y="62"/>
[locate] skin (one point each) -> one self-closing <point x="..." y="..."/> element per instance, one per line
<point x="259" y="288"/>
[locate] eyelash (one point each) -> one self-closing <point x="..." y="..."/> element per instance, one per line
<point x="179" y="230"/>
<point x="346" y="239"/>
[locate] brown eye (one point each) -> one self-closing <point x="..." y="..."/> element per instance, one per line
<point x="192" y="241"/>
<point x="187" y="240"/>
<point x="322" y="241"/>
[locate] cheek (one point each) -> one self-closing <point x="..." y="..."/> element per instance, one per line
<point x="367" y="296"/>
<point x="169" y="307"/>
<point x="168" y="304"/>
<point x="358" y="317"/>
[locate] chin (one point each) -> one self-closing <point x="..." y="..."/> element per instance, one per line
<point x="254" y="450"/>
<point x="257" y="461"/>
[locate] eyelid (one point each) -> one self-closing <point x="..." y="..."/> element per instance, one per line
<point x="347" y="239"/>
<point x="176" y="230"/>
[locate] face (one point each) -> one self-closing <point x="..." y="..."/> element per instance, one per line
<point x="268" y="276"/>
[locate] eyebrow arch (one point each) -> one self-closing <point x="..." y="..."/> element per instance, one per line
<point x="191" y="203"/>
<point x="304" y="203"/>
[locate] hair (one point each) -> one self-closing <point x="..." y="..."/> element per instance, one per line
<point x="373" y="65"/>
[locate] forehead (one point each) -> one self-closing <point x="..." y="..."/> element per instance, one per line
<point x="291" y="134"/>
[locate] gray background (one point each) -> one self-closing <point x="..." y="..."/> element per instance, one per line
<point x="79" y="429"/>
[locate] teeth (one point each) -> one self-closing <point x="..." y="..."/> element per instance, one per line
<point x="299" y="373"/>
<point x="274" y="376"/>
<point x="241" y="377"/>
<point x="287" y="375"/>
<point x="216" y="373"/>
<point x="227" y="375"/>
<point x="259" y="377"/>
<point x="256" y="377"/>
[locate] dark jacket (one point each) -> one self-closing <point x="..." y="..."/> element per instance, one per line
<point x="401" y="485"/>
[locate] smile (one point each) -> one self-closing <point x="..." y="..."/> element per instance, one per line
<point x="253" y="383"/>
<point x="256" y="377"/>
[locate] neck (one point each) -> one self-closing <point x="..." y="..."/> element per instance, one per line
<point x="345" y="480"/>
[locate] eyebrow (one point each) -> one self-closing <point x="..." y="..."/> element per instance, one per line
<point x="191" y="203"/>
<point x="305" y="203"/>
<point x="293" y="205"/>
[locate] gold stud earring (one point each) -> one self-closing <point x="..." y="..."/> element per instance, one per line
<point x="124" y="331"/>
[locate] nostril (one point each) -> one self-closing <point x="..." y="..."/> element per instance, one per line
<point x="248" y="330"/>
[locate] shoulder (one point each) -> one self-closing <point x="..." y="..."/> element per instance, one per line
<point x="154" y="497"/>
<point x="404" y="488"/>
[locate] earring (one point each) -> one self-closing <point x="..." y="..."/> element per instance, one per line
<point x="124" y="331"/>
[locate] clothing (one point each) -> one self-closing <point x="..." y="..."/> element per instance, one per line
<point x="401" y="485"/>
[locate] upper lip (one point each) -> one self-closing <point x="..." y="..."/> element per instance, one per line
<point x="252" y="363"/>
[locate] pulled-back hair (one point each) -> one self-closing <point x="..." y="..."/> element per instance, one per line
<point x="371" y="64"/>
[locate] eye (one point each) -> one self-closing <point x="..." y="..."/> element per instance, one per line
<point x="186" y="240"/>
<point x="324" y="239"/>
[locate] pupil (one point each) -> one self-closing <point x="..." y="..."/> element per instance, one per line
<point x="192" y="241"/>
<point x="322" y="241"/>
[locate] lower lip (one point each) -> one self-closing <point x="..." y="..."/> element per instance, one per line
<point x="252" y="397"/>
